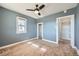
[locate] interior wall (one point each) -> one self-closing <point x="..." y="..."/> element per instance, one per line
<point x="8" y="27"/>
<point x="49" y="24"/>
<point x="77" y="27"/>
<point x="49" y="31"/>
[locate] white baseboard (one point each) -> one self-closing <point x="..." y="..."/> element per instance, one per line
<point x="16" y="43"/>
<point x="50" y="41"/>
<point x="77" y="50"/>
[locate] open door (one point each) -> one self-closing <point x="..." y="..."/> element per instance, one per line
<point x="39" y="30"/>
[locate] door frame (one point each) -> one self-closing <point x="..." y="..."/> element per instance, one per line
<point x="72" y="30"/>
<point x="41" y="29"/>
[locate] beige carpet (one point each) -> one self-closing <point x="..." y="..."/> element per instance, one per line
<point x="39" y="48"/>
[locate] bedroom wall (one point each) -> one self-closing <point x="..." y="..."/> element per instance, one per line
<point x="49" y="27"/>
<point x="77" y="27"/>
<point x="8" y="27"/>
<point x="50" y="24"/>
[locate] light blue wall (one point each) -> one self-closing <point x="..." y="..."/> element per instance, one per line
<point x="8" y="27"/>
<point x="77" y="27"/>
<point x="49" y="22"/>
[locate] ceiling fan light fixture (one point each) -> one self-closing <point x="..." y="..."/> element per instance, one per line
<point x="36" y="11"/>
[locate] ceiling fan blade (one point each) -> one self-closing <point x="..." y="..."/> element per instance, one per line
<point x="42" y="6"/>
<point x="30" y="9"/>
<point x="39" y="14"/>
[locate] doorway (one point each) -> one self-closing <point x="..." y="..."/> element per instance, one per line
<point x="65" y="30"/>
<point x="39" y="30"/>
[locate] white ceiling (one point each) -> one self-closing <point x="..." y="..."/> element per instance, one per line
<point x="50" y="8"/>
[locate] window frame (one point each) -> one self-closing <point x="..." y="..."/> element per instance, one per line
<point x="25" y="25"/>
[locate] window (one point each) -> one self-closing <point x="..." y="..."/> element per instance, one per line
<point x="20" y="25"/>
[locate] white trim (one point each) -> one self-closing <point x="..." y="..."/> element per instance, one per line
<point x="16" y="43"/>
<point x="17" y="18"/>
<point x="49" y="41"/>
<point x="57" y="36"/>
<point x="37" y="29"/>
<point x="72" y="30"/>
<point x="77" y="50"/>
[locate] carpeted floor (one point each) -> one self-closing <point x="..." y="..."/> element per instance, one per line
<point x="39" y="48"/>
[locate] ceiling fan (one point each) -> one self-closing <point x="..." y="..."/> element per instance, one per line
<point x="37" y="9"/>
